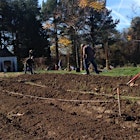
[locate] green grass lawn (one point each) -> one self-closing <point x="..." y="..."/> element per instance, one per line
<point x="123" y="71"/>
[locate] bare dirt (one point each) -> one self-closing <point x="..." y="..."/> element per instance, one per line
<point x="68" y="107"/>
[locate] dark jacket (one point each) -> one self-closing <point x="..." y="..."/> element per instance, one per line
<point x="29" y="62"/>
<point x="88" y="52"/>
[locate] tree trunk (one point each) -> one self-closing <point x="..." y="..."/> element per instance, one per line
<point x="56" y="42"/>
<point x="77" y="59"/>
<point x="106" y="55"/>
<point x="68" y="61"/>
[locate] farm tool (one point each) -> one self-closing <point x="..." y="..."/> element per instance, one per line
<point x="132" y="81"/>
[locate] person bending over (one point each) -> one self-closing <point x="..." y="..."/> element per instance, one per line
<point x="88" y="57"/>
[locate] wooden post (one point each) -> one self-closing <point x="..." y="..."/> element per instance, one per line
<point x="119" y="105"/>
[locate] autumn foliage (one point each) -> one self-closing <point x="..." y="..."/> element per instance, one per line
<point x="97" y="5"/>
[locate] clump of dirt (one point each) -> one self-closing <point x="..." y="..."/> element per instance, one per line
<point x="68" y="107"/>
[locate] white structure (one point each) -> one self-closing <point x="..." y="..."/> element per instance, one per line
<point x="8" y="62"/>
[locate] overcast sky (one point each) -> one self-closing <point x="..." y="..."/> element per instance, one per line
<point x="124" y="10"/>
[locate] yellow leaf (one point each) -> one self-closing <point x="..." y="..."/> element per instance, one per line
<point x="129" y="37"/>
<point x="97" y="5"/>
<point x="83" y="3"/>
<point x="52" y="48"/>
<point x="64" y="41"/>
<point x="47" y="26"/>
<point x="92" y="3"/>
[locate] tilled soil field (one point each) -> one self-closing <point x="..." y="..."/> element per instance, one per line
<point x="69" y="107"/>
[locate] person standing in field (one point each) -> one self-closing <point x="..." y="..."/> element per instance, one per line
<point x="88" y="57"/>
<point x="29" y="65"/>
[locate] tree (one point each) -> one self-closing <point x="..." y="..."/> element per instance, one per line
<point x="134" y="33"/>
<point x="66" y="46"/>
<point x="100" y="22"/>
<point x="5" y="20"/>
<point x="21" y="19"/>
<point x="70" y="18"/>
<point x="89" y="22"/>
<point x="50" y="11"/>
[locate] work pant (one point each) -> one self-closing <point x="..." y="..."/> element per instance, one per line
<point x="28" y="68"/>
<point x="87" y="62"/>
